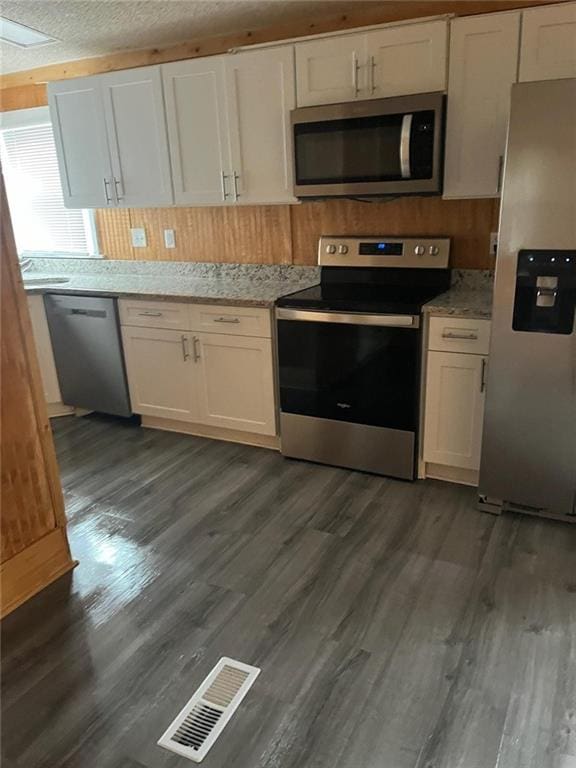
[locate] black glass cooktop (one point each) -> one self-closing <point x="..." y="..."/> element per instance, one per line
<point x="402" y="291"/>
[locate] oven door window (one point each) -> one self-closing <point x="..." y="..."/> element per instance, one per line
<point x="362" y="149"/>
<point x="356" y="373"/>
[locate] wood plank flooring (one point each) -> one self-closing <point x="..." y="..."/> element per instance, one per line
<point x="395" y="625"/>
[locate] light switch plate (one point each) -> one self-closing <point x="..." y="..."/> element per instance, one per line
<point x="169" y="239"/>
<point x="138" y="235"/>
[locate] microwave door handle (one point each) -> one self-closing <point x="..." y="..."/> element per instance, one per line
<point x="405" y="136"/>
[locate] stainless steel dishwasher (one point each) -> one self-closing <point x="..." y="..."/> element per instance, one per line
<point x="88" y="352"/>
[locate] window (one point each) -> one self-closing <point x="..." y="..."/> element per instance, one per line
<point x="42" y="225"/>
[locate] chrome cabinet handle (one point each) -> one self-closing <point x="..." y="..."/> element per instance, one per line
<point x="116" y="185"/>
<point x="236" y="193"/>
<point x="149" y="313"/>
<point x="355" y="69"/>
<point x="185" y="350"/>
<point x="463" y="336"/>
<point x="108" y="198"/>
<point x="226" y="319"/>
<point x="196" y="348"/>
<point x="483" y="375"/>
<point x="500" y="170"/>
<point x="223" y="178"/>
<point x="372" y="68"/>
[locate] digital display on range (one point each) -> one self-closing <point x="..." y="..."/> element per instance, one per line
<point x="380" y="249"/>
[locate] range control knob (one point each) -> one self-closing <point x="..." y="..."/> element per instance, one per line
<point x="433" y="250"/>
<point x="343" y="249"/>
<point x="330" y="249"/>
<point x="419" y="250"/>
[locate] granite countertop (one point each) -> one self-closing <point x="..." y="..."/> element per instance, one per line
<point x="462" y="301"/>
<point x="238" y="291"/>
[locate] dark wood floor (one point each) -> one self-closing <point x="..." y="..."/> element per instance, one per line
<point x="396" y="627"/>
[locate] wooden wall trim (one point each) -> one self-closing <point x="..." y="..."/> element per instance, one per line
<point x="383" y="12"/>
<point x="23" y="97"/>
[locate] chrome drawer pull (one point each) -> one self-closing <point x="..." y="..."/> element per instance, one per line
<point x="483" y="376"/>
<point x="150" y="314"/>
<point x="462" y="336"/>
<point x="196" y="347"/>
<point x="185" y="352"/>
<point x="226" y="320"/>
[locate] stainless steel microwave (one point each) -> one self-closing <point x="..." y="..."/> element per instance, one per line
<point x="370" y="148"/>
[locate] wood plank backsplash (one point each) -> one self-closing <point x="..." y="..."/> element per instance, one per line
<point x="288" y="234"/>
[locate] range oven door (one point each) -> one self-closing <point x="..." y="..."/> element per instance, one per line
<point x="380" y="147"/>
<point x="349" y="389"/>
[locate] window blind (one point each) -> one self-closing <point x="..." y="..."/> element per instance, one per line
<point x="40" y="220"/>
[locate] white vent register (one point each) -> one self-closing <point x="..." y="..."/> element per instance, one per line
<point x="205" y="715"/>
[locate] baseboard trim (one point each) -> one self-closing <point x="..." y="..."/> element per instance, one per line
<point x="28" y="572"/>
<point x="59" y="409"/>
<point x="452" y="474"/>
<point x="215" y="433"/>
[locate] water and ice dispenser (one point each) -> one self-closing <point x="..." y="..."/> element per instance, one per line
<point x="545" y="291"/>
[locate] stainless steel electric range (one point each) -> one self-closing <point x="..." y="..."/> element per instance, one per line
<point x="349" y="353"/>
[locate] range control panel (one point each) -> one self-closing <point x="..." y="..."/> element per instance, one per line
<point x="383" y="251"/>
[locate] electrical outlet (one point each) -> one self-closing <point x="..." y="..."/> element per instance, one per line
<point x="169" y="239"/>
<point x="138" y="235"/>
<point x="493" y="243"/>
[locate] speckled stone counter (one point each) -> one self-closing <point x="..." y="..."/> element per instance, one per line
<point x="257" y="286"/>
<point x="469" y="296"/>
<point x="462" y="302"/>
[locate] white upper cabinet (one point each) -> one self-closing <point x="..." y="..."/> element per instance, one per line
<point x="136" y="125"/>
<point x="198" y="131"/>
<point x="407" y="59"/>
<point x="548" y="49"/>
<point x="77" y="115"/>
<point x="330" y="70"/>
<point x="111" y="139"/>
<point x="483" y="67"/>
<point x="260" y="92"/>
<point x="392" y="61"/>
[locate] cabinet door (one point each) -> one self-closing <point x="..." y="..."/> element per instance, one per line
<point x="407" y="59"/>
<point x="548" y="49"/>
<point x="261" y="92"/>
<point x="483" y="65"/>
<point x="77" y="114"/>
<point x="454" y="409"/>
<point x="161" y="373"/>
<point x="330" y="70"/>
<point x="198" y="131"/>
<point x="237" y="383"/>
<point x="136" y="125"/>
<point x="44" y="350"/>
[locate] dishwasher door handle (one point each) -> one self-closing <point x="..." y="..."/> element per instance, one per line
<point x="87" y="312"/>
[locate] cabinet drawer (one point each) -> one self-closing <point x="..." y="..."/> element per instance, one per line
<point x="236" y="321"/>
<point x="154" y="314"/>
<point x="459" y="334"/>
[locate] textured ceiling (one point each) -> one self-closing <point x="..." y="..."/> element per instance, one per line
<point x="96" y="27"/>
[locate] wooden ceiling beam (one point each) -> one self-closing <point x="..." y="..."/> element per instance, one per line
<point x="383" y="12"/>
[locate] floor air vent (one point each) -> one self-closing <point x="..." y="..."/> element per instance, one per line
<point x="203" y="718"/>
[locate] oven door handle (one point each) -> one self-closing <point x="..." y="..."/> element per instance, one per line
<point x="349" y="318"/>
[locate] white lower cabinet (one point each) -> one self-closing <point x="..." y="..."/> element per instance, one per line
<point x="45" y="356"/>
<point x="454" y="409"/>
<point x="237" y="383"/>
<point x="222" y="378"/>
<point x="456" y="374"/>
<point x="162" y="376"/>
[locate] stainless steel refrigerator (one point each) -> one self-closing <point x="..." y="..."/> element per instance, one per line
<point x="529" y="444"/>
